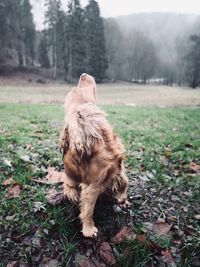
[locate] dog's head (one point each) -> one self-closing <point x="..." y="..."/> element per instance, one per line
<point x="87" y="82"/>
<point x="85" y="92"/>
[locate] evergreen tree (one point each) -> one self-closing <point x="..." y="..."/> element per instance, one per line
<point x="96" y="48"/>
<point x="193" y="62"/>
<point x="3" y="24"/>
<point x="23" y="29"/>
<point x="17" y="30"/>
<point x="75" y="39"/>
<point x="43" y="52"/>
<point x="114" y="48"/>
<point x="29" y="30"/>
<point x="54" y="29"/>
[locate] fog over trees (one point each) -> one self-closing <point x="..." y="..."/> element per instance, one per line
<point x="140" y="48"/>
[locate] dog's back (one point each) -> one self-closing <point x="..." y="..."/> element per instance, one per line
<point x="93" y="149"/>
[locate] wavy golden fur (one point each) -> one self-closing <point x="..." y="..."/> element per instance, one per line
<point x="93" y="154"/>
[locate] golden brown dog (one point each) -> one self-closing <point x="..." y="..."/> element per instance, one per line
<point x="93" y="154"/>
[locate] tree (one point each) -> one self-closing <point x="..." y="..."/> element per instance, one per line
<point x="114" y="48"/>
<point x="23" y="29"/>
<point x="75" y="39"/>
<point x="54" y="27"/>
<point x="29" y="31"/>
<point x="140" y="59"/>
<point x="193" y="62"/>
<point x="43" y="52"/>
<point x="17" y="30"/>
<point x="96" y="47"/>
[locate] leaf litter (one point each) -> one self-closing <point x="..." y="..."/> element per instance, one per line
<point x="53" y="177"/>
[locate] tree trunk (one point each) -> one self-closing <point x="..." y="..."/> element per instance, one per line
<point x="21" y="54"/>
<point x="70" y="63"/>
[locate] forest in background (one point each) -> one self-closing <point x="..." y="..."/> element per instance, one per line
<point x="140" y="48"/>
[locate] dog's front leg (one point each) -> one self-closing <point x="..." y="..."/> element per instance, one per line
<point x="120" y="186"/>
<point x="89" y="195"/>
<point x="70" y="190"/>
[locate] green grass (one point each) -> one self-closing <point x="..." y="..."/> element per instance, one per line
<point x="160" y="141"/>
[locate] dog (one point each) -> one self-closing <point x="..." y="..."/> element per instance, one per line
<point x="92" y="153"/>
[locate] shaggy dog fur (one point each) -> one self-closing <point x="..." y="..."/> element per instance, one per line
<point x="93" y="154"/>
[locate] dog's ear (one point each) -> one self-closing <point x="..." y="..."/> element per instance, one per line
<point x="64" y="140"/>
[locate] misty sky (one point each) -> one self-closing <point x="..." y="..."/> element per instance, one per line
<point x="112" y="8"/>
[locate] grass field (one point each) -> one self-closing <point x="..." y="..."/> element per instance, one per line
<point x="162" y="147"/>
<point x="163" y="154"/>
<point x="119" y="93"/>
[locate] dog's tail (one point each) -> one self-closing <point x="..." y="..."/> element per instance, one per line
<point x="85" y="126"/>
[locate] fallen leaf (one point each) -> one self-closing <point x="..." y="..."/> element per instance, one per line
<point x="14" y="191"/>
<point x="175" y="198"/>
<point x="167" y="257"/>
<point x="12" y="264"/>
<point x="197" y="216"/>
<point x="36" y="258"/>
<point x="88" y="263"/>
<point x="161" y="228"/>
<point x="27" y="241"/>
<point x="106" y="253"/>
<point x="126" y="233"/>
<point x="194" y="167"/>
<point x="37" y="206"/>
<point x="143" y="240"/>
<point x="28" y="146"/>
<point x="8" y="181"/>
<point x="25" y="158"/>
<point x="54" y="197"/>
<point x="10" y="218"/>
<point x="53" y="177"/>
<point x="185" y="209"/>
<point x="8" y="162"/>
<point x="51" y="263"/>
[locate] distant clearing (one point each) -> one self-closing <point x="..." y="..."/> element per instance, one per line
<point x="120" y="93"/>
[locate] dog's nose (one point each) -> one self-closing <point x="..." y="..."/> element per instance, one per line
<point x="83" y="76"/>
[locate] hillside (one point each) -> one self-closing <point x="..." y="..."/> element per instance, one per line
<point x="164" y="29"/>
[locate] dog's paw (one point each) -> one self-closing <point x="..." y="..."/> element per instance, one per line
<point x="90" y="231"/>
<point x="122" y="201"/>
<point x="126" y="204"/>
<point x="71" y="194"/>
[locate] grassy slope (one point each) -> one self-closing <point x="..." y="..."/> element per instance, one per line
<point x="160" y="141"/>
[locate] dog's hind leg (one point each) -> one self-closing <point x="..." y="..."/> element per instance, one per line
<point x="88" y="198"/>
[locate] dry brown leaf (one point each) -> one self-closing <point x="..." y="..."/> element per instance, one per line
<point x="194" y="167"/>
<point x="51" y="263"/>
<point x="8" y="181"/>
<point x="126" y="233"/>
<point x="161" y="228"/>
<point x="143" y="240"/>
<point x="54" y="197"/>
<point x="53" y="177"/>
<point x="106" y="253"/>
<point x="167" y="257"/>
<point x="86" y="263"/>
<point x="14" y="191"/>
<point x="185" y="209"/>
<point x="12" y="264"/>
